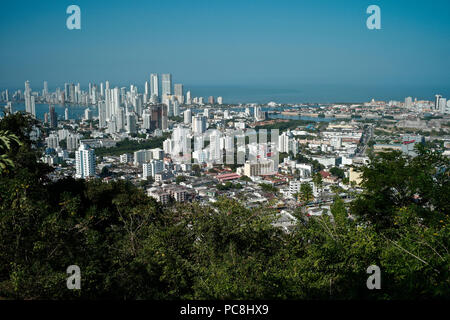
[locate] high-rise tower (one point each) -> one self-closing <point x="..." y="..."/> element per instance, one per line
<point x="166" y="84"/>
<point x="154" y="86"/>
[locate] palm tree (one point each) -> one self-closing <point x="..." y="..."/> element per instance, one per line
<point x="317" y="179"/>
<point x="306" y="192"/>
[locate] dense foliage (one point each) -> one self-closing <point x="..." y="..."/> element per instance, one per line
<point x="129" y="247"/>
<point x="130" y="146"/>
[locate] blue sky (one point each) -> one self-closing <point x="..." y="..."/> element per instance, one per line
<point x="216" y="42"/>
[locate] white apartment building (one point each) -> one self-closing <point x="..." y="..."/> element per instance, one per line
<point x="52" y="141"/>
<point x="152" y="168"/>
<point x="85" y="162"/>
<point x="258" y="168"/>
<point x="125" y="158"/>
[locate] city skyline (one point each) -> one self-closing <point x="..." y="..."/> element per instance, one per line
<point x="253" y="93"/>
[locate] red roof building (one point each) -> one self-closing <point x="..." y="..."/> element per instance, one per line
<point x="227" y="177"/>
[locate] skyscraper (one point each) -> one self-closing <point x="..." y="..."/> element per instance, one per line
<point x="66" y="91"/>
<point x="198" y="124"/>
<point x="108" y="108"/>
<point x="442" y="105"/>
<point x="45" y="91"/>
<point x="154" y="86"/>
<point x="146" y="120"/>
<point x="71" y="96"/>
<point x="85" y="162"/>
<point x="147" y="90"/>
<point x="131" y="123"/>
<point x="170" y="104"/>
<point x="188" y="116"/>
<point x="101" y="114"/>
<point x="188" y="97"/>
<point x="112" y="125"/>
<point x="29" y="99"/>
<point x="115" y="101"/>
<point x="123" y="95"/>
<point x="164" y="118"/>
<point x="166" y="84"/>
<point x="53" y="117"/>
<point x="176" y="109"/>
<point x="178" y="90"/>
<point x="215" y="152"/>
<point x="27" y="87"/>
<point x="283" y="141"/>
<point x="436" y="103"/>
<point x="257" y="113"/>
<point x="120" y="117"/>
<point x="33" y="106"/>
<point x="87" y="114"/>
<point x="137" y="104"/>
<point x="158" y="116"/>
<point x="90" y="90"/>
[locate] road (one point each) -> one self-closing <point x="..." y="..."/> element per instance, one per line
<point x="366" y="137"/>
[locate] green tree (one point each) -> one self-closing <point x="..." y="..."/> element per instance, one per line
<point x="6" y="140"/>
<point x="268" y="187"/>
<point x="197" y="170"/>
<point x="393" y="180"/>
<point x="337" y="172"/>
<point x="306" y="192"/>
<point x="318" y="180"/>
<point x="179" y="179"/>
<point x="130" y="247"/>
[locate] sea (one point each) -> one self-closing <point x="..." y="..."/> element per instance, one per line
<point x="76" y="112"/>
<point x="311" y="93"/>
<point x="291" y="94"/>
<point x="303" y="93"/>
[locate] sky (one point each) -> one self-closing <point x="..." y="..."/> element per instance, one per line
<point x="215" y="42"/>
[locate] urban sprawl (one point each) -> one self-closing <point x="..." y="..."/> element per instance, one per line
<point x="181" y="148"/>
